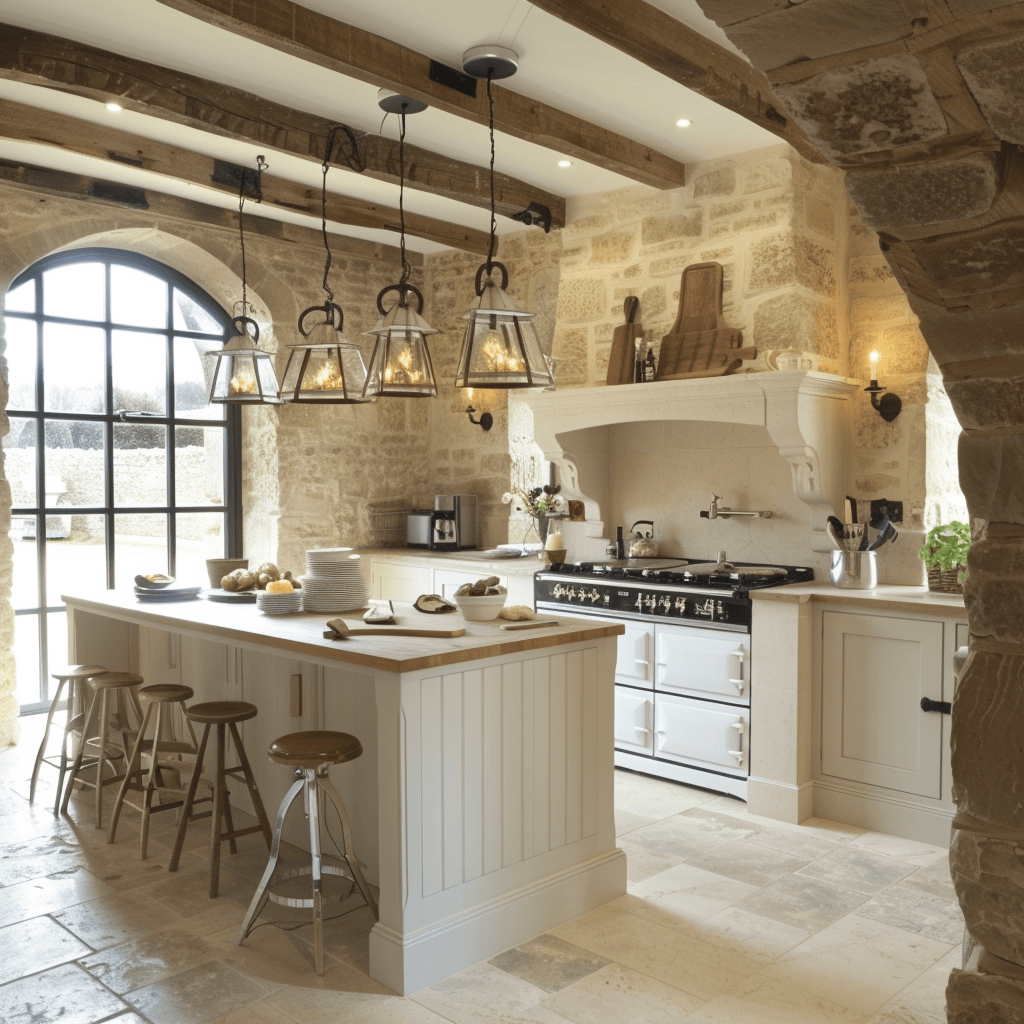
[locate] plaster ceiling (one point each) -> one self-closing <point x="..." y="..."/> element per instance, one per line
<point x="559" y="65"/>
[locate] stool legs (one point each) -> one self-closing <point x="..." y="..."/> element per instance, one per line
<point x="42" y="747"/>
<point x="103" y="699"/>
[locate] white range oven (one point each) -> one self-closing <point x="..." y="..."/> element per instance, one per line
<point x="685" y="663"/>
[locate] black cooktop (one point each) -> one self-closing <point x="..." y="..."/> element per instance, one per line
<point x="682" y="572"/>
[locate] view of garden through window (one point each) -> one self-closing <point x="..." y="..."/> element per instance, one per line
<point x="117" y="463"/>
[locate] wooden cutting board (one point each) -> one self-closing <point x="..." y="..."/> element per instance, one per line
<point x="700" y="343"/>
<point x="622" y="360"/>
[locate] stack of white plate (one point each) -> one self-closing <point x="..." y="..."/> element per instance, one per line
<point x="333" y="581"/>
<point x="279" y="604"/>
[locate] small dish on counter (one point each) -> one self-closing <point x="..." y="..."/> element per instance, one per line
<point x="279" y="604"/>
<point x="231" y="596"/>
<point x="480" y="608"/>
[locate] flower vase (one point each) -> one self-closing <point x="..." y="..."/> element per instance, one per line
<point x="541" y="524"/>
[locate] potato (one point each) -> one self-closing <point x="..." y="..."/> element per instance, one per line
<point x="269" y="567"/>
<point x="240" y="579"/>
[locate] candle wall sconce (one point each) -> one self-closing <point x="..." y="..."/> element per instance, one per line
<point x="486" y="420"/>
<point x="887" y="404"/>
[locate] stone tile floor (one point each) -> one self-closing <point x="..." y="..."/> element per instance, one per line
<point x="729" y="919"/>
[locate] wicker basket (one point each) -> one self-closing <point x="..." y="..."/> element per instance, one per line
<point x="946" y="581"/>
<point x="388" y="526"/>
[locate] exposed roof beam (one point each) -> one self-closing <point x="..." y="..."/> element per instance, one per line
<point x="45" y="60"/>
<point x="676" y="51"/>
<point x="166" y="207"/>
<point x="316" y="38"/>
<point x="68" y="134"/>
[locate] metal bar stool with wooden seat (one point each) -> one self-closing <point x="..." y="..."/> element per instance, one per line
<point x="105" y="688"/>
<point x="165" y="755"/>
<point x="71" y="676"/>
<point x="224" y="714"/>
<point x="311" y="754"/>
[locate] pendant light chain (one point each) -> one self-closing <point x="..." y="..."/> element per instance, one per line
<point x="490" y="129"/>
<point x="261" y="166"/>
<point x="323" y="214"/>
<point x="406" y="269"/>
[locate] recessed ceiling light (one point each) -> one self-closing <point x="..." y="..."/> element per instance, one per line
<point x="565" y="163"/>
<point x="683" y="122"/>
<point x="114" y="108"/>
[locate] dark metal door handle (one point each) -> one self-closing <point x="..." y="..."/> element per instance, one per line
<point x="927" y="704"/>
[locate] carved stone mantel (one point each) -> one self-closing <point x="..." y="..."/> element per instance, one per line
<point x="805" y="413"/>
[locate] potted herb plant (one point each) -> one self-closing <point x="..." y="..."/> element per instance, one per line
<point x="944" y="553"/>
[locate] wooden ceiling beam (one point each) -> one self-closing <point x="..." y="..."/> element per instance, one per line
<point x="332" y="44"/>
<point x="39" y="59"/>
<point x="678" y="52"/>
<point x="161" y="206"/>
<point x="68" y="134"/>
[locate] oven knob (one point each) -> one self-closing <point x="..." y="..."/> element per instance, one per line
<point x="570" y="593"/>
<point x="651" y="601"/>
<point x="666" y="602"/>
<point x="681" y="605"/>
<point x="639" y="602"/>
<point x="595" y="594"/>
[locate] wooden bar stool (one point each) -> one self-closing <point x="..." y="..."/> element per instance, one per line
<point x="224" y="714"/>
<point x="311" y="754"/>
<point x="71" y="676"/>
<point x="104" y="688"/>
<point x="161" y="748"/>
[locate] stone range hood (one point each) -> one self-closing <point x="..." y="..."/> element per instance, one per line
<point x="807" y="415"/>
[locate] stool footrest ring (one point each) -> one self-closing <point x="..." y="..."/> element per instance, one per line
<point x="307" y="903"/>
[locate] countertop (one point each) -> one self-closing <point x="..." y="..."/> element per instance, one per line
<point x="302" y="634"/>
<point x="468" y="559"/>
<point x="880" y="598"/>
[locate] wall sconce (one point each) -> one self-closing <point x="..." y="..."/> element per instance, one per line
<point x="888" y="405"/>
<point x="486" y="419"/>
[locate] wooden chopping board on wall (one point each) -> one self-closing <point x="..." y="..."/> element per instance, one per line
<point x="622" y="360"/>
<point x="700" y="344"/>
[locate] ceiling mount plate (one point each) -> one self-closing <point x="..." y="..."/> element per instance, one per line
<point x="395" y="102"/>
<point x="490" y="59"/>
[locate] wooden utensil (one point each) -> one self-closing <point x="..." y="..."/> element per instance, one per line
<point x="700" y="343"/>
<point x="530" y="624"/>
<point x="622" y="360"/>
<point x="340" y="630"/>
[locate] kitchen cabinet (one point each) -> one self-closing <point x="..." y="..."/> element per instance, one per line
<point x="404" y="577"/>
<point x="447" y="581"/>
<point x="634" y="720"/>
<point x="701" y="733"/>
<point x="703" y="663"/>
<point x="398" y="581"/>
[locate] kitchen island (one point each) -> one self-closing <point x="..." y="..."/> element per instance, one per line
<point x="482" y="805"/>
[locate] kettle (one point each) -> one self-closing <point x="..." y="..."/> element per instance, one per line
<point x="642" y="545"/>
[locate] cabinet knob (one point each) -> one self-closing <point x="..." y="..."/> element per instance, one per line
<point x="927" y="704"/>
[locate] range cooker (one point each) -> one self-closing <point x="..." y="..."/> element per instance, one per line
<point x="685" y="663"/>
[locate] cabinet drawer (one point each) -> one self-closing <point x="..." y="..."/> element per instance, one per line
<point x="702" y="733"/>
<point x="703" y="663"/>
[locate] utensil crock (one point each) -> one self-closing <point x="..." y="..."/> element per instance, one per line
<point x="854" y="570"/>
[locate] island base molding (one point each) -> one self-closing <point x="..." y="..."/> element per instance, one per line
<point x="408" y="962"/>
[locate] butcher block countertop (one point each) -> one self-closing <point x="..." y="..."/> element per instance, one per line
<point x="302" y="634"/>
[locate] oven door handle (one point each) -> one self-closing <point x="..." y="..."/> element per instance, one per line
<point x="741" y="684"/>
<point x="740" y="755"/>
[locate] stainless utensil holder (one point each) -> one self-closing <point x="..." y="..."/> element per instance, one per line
<point x="854" y="570"/>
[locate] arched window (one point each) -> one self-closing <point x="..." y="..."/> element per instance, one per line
<point x="117" y="463"/>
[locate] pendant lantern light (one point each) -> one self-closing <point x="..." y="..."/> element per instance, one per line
<point x="325" y="368"/>
<point x="400" y="365"/>
<point x="242" y="373"/>
<point x="500" y="348"/>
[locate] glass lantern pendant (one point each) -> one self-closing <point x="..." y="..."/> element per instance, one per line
<point x="400" y="366"/>
<point x="242" y="373"/>
<point x="500" y="348"/>
<point x="327" y="368"/>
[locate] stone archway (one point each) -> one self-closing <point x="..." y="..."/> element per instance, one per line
<point x="919" y="101"/>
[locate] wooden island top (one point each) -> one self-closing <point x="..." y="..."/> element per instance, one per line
<point x="302" y="633"/>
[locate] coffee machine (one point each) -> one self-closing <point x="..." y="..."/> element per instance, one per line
<point x="464" y="507"/>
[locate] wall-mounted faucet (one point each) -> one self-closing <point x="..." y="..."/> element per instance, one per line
<point x="716" y="512"/>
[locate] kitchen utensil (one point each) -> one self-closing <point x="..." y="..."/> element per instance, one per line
<point x="642" y="544"/>
<point x="341" y="630"/>
<point x="530" y="624"/>
<point x="379" y="613"/>
<point x="621" y="362"/>
<point x="700" y="343"/>
<point x="834" y="529"/>
<point x="854" y="570"/>
<point x="887" y="536"/>
<point x="881" y="524"/>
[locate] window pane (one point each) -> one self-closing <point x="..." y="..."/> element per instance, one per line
<point x="21" y="362"/>
<point x="74" y="360"/>
<point x="191" y="385"/>
<point x="137" y="297"/>
<point x="190" y="316"/>
<point x="140" y="464"/>
<point x="78" y="562"/>
<point x="141" y="545"/>
<point x="139" y="366"/>
<point x="200" y="536"/>
<point x="57" y="651"/>
<point x="76" y="291"/>
<point x="23" y="298"/>
<point x="74" y="463"/>
<point x="25" y="582"/>
<point x="199" y="466"/>
<point x="20" y="461"/>
<point x="26" y="658"/>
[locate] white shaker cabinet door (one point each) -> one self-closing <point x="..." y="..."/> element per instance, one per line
<point x="397" y="581"/>
<point x="703" y="663"/>
<point x="702" y="733"/>
<point x="634" y="720"/>
<point x="875" y="670"/>
<point x="635" y="655"/>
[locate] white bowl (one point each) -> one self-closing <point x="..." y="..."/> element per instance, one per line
<point x="480" y="609"/>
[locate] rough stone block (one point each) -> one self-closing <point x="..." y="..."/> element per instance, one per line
<point x="611" y="248"/>
<point x="794" y="321"/>
<point x="874" y="314"/>
<point x="781" y="259"/>
<point x="767" y="175"/>
<point x="976" y="998"/>
<point x="755" y="222"/>
<point x="715" y="183"/>
<point x="819" y="218"/>
<point x="905" y="350"/>
<point x="589" y="225"/>
<point x="720" y="210"/>
<point x="992" y="477"/>
<point x="670" y="267"/>
<point x="868" y="107"/>
<point x="993" y="72"/>
<point x="872" y="271"/>
<point x="661" y="229"/>
<point x="808" y="30"/>
<point x="581" y="299"/>
<point x="634" y="271"/>
<point x="932" y="193"/>
<point x="988" y="403"/>
<point x="653" y="301"/>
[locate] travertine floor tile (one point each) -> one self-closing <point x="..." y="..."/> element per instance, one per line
<point x="620" y="994"/>
<point x="114" y="919"/>
<point x="627" y="821"/>
<point x="197" y="996"/>
<point x="857" y="869"/>
<point x="756" y="937"/>
<point x="643" y="862"/>
<point x="795" y="843"/>
<point x="34" y="945"/>
<point x="684" y="836"/>
<point x="548" y="962"/>
<point x="923" y="1001"/>
<point x="916" y="911"/>
<point x="802" y="902"/>
<point x="919" y="854"/>
<point x="656" y="798"/>
<point x="23" y="900"/>
<point x="760" y="1000"/>
<point x="683" y="894"/>
<point x="63" y="995"/>
<point x="747" y="862"/>
<point x="934" y="878"/>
